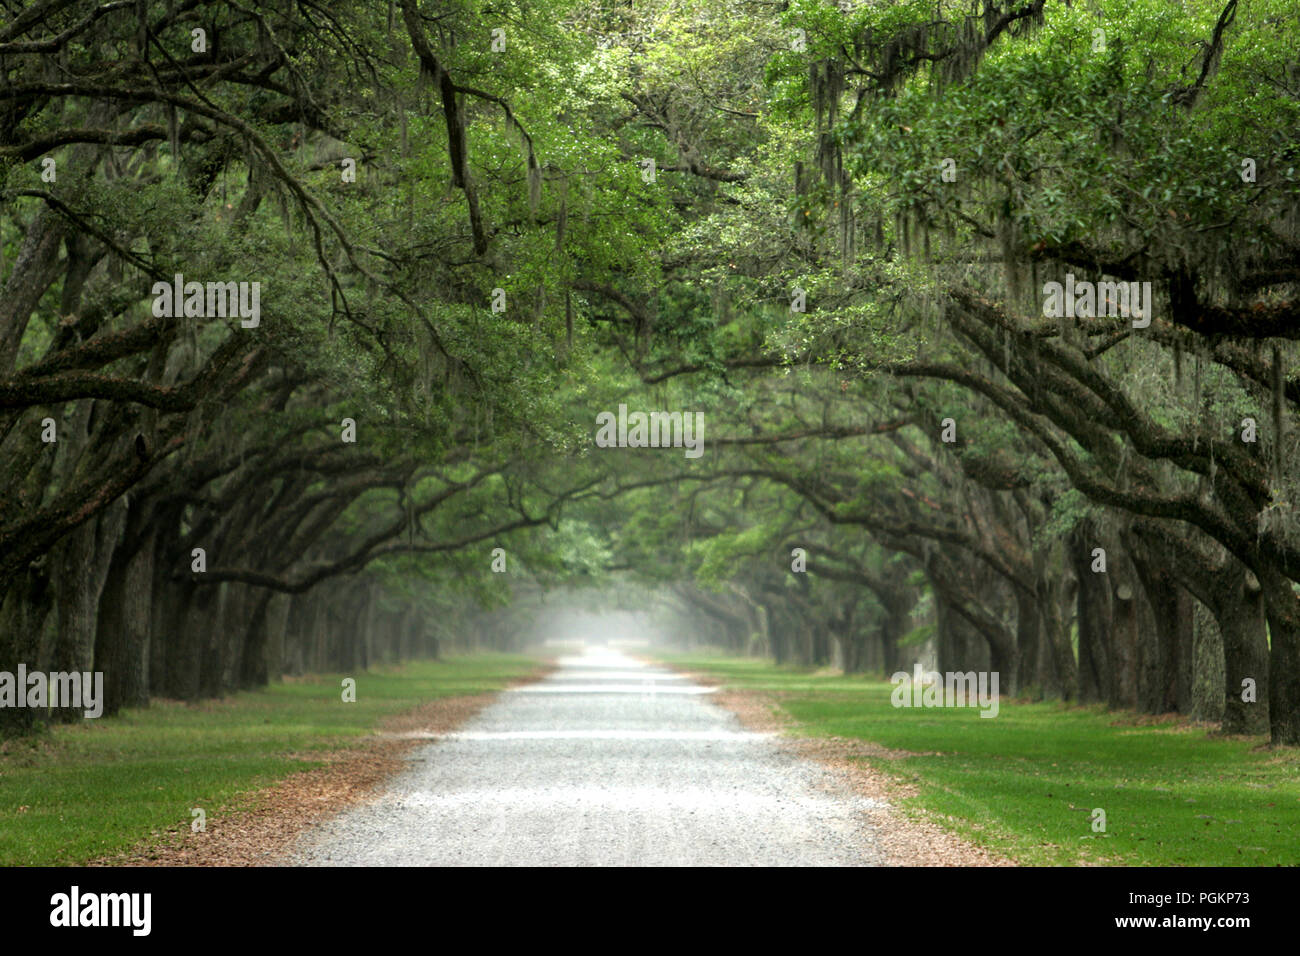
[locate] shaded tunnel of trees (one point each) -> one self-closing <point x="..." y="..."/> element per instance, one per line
<point x="831" y="230"/>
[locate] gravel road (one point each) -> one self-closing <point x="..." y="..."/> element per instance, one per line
<point x="607" y="762"/>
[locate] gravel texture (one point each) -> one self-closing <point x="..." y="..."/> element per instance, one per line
<point x="608" y="761"/>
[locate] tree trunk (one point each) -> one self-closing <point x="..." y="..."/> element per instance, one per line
<point x="24" y="608"/>
<point x="1058" y="667"/>
<point x="1028" y="646"/>
<point x="1164" y="684"/>
<point x="253" y="669"/>
<point x="1240" y="616"/>
<point x="1283" y="609"/>
<point x="1124" y="640"/>
<point x="1093" y="614"/>
<point x="123" y="632"/>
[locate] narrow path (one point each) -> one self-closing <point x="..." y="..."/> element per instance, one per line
<point x="607" y="761"/>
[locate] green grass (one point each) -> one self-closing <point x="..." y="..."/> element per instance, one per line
<point x="1173" y="795"/>
<point x="92" y="789"/>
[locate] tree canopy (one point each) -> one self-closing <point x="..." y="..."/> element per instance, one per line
<point x="988" y="309"/>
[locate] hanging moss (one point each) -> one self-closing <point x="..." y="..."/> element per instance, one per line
<point x="1010" y="260"/>
<point x="1279" y="399"/>
<point x="534" y="184"/>
<point x="562" y="217"/>
<point x="1196" y="382"/>
<point x="173" y="135"/>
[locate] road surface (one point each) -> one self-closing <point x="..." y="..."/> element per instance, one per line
<point x="608" y="761"/>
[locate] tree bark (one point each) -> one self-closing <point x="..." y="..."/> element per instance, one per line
<point x="1124" y="637"/>
<point x="1239" y="612"/>
<point x="123" y="630"/>
<point x="1093" y="615"/>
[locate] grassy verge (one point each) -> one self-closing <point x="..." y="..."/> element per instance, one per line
<point x="1025" y="783"/>
<point x="88" y="790"/>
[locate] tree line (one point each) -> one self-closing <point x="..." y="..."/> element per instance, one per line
<point x="831" y="228"/>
